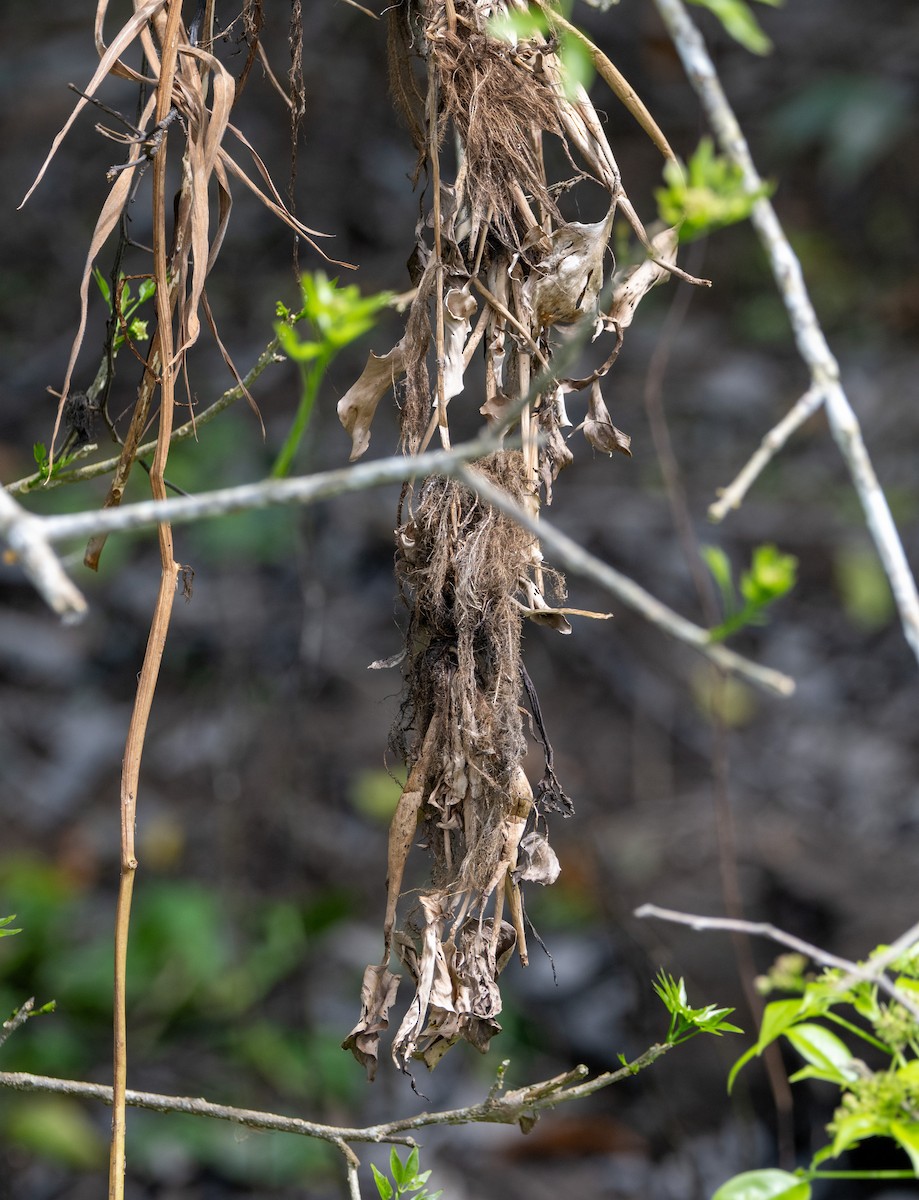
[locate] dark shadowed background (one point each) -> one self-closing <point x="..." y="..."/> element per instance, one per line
<point x="264" y="791"/>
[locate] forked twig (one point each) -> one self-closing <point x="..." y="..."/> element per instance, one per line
<point x="809" y="337"/>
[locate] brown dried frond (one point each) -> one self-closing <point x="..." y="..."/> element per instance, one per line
<point x="500" y="102"/>
<point x="416" y="401"/>
<point x="460" y="565"/>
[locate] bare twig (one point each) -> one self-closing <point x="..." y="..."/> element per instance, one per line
<point x="19" y="1018"/>
<point x="871" y="972"/>
<point x="271" y="354"/>
<point x="732" y="496"/>
<point x="503" y="1108"/>
<point x="809" y="336"/>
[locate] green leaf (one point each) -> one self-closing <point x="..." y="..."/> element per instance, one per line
<point x="396" y="1168"/>
<point x="771" y="575"/>
<point x="103" y="285"/>
<point x="411" y="1165"/>
<point x="764" y="1185"/>
<point x="906" y="1133"/>
<point x="777" y="1017"/>
<point x="852" y="1129"/>
<point x="146" y="290"/>
<point x="720" y="566"/>
<point x="4" y="921"/>
<point x="384" y="1187"/>
<point x="823" y="1050"/>
<point x="740" y="23"/>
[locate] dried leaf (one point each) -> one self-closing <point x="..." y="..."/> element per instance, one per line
<point x="566" y="284"/>
<point x="537" y="861"/>
<point x="378" y="993"/>
<point x="599" y="429"/>
<point x="636" y="282"/>
<point x="459" y="307"/>
<point x="358" y="405"/>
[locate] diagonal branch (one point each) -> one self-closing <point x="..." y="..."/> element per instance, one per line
<point x="809" y="337"/>
<point x="311" y="488"/>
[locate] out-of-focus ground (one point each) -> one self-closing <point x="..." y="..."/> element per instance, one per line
<point x="261" y="823"/>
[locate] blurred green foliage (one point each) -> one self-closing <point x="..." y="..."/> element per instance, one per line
<point x="739" y="21"/>
<point x="770" y="576"/>
<point x="214" y="991"/>
<point x="707" y="194"/>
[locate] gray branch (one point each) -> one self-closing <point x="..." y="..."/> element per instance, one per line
<point x="872" y="971"/>
<point x="507" y="1108"/>
<point x="809" y="338"/>
<point x="28" y="544"/>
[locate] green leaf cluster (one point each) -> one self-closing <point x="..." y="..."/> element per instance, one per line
<point x="128" y="304"/>
<point x="739" y="21"/>
<point x="875" y="1101"/>
<point x="337" y="316"/>
<point x="4" y="922"/>
<point x="686" y="1022"/>
<point x="770" y="577"/>
<point x="405" y="1178"/>
<point x="45" y="469"/>
<point x="706" y="194"/>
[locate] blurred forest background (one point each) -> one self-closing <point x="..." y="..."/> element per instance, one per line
<point x="265" y="794"/>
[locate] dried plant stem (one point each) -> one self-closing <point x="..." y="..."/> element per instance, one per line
<point x="156" y="641"/>
<point x="613" y="77"/>
<point x="434" y="156"/>
<point x="809" y="337"/>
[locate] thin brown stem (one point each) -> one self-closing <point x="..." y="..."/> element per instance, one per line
<point x="156" y="641"/>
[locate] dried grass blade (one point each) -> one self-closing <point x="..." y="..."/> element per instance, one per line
<point x="618" y="83"/>
<point x="202" y="153"/>
<point x="122" y="70"/>
<point x="225" y="354"/>
<point x="108" y="219"/>
<point x="125" y="36"/>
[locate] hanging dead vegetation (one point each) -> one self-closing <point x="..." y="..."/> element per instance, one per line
<point x="495" y="265"/>
<point x="191" y="105"/>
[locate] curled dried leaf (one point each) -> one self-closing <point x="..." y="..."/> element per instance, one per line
<point x="357" y="406"/>
<point x="600" y="430"/>
<point x="459" y="307"/>
<point x="378" y="993"/>
<point x="537" y="862"/>
<point x="636" y="282"/>
<point x="565" y="285"/>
